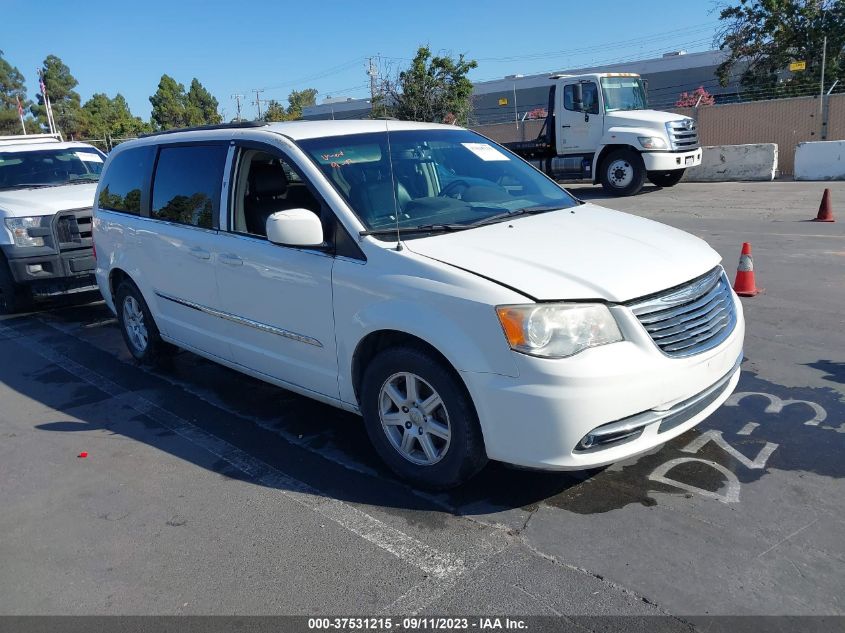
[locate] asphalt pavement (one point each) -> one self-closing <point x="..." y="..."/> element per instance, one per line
<point x="208" y="492"/>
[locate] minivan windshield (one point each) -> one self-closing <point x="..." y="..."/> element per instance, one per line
<point x="623" y="93"/>
<point x="432" y="179"/>
<point x="49" y="167"/>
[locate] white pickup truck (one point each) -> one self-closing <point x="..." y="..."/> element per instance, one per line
<point x="598" y="128"/>
<point x="46" y="193"/>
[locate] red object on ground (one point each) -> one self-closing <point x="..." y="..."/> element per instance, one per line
<point x="825" y="209"/>
<point x="83" y="454"/>
<point x="745" y="285"/>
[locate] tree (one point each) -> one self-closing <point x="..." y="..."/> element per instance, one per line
<point x="762" y="37"/>
<point x="12" y="88"/>
<point x="67" y="109"/>
<point x="201" y="106"/>
<point x="698" y="97"/>
<point x="169" y="104"/>
<point x="275" y="112"/>
<point x="104" y="117"/>
<point x="298" y="100"/>
<point x="431" y="89"/>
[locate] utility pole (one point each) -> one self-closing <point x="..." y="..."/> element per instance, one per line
<point x="372" y="71"/>
<point x="237" y="99"/>
<point x="258" y="100"/>
<point x="821" y="83"/>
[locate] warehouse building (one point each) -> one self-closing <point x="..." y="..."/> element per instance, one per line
<point x="515" y="96"/>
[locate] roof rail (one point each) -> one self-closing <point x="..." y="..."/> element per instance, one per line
<point x="218" y="126"/>
<point x="29" y="138"/>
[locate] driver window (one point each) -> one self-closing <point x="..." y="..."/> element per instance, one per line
<point x="266" y="184"/>
<point x="589" y="94"/>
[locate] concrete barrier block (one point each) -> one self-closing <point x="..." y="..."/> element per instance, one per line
<point x="820" y="160"/>
<point x="727" y="163"/>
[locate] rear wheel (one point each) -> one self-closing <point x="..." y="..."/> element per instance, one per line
<point x="666" y="178"/>
<point x="420" y="418"/>
<point x="139" y="330"/>
<point x="623" y="173"/>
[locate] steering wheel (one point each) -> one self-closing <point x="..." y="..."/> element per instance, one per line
<point x="454" y="189"/>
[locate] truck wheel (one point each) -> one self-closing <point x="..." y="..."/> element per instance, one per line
<point x="623" y="173"/>
<point x="11" y="294"/>
<point x="666" y="178"/>
<point x="420" y="418"/>
<point x="138" y="327"/>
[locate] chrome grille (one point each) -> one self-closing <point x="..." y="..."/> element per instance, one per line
<point x="692" y="318"/>
<point x="683" y="137"/>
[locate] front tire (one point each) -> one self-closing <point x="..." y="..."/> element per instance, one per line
<point x="420" y="419"/>
<point x="138" y="328"/>
<point x="666" y="178"/>
<point x="12" y="297"/>
<point x="623" y="173"/>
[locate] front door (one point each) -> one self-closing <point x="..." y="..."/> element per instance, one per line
<point x="580" y="125"/>
<point x="279" y="299"/>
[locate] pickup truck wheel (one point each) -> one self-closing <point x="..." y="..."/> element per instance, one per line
<point x="623" y="173"/>
<point x="666" y="178"/>
<point x="420" y="418"/>
<point x="138" y="328"/>
<point x="11" y="294"/>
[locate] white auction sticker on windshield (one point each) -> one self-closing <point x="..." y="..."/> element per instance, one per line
<point x="485" y="151"/>
<point x="89" y="157"/>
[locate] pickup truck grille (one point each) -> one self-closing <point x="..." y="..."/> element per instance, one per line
<point x="683" y="137"/>
<point x="690" y="319"/>
<point x="73" y="229"/>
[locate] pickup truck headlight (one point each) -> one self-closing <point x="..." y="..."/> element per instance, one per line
<point x="557" y="330"/>
<point x="652" y="142"/>
<point x="19" y="228"/>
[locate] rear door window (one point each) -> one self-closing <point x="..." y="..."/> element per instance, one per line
<point x="186" y="185"/>
<point x="125" y="180"/>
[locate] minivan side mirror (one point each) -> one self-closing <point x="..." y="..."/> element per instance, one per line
<point x="295" y="227"/>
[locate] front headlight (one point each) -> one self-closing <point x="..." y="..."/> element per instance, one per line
<point x="19" y="228"/>
<point x="556" y="330"/>
<point x="652" y="142"/>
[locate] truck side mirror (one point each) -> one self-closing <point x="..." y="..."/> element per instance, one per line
<point x="578" y="97"/>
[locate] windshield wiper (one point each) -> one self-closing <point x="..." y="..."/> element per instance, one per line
<point x="502" y="217"/>
<point x="423" y="228"/>
<point x="30" y="185"/>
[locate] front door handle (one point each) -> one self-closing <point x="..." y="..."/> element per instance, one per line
<point x="231" y="260"/>
<point x="199" y="253"/>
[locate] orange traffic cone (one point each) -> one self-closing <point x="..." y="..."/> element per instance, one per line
<point x="744" y="285"/>
<point x="825" y="209"/>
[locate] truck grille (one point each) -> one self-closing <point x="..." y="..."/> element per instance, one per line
<point x="683" y="137"/>
<point x="690" y="319"/>
<point x="73" y="229"/>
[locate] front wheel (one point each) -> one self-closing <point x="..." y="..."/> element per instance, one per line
<point x="12" y="297"/>
<point x="666" y="178"/>
<point x="420" y="418"/>
<point x="623" y="173"/>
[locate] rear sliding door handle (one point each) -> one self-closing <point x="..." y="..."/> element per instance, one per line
<point x="230" y="260"/>
<point x="199" y="253"/>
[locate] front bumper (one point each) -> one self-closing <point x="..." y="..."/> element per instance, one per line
<point x="538" y="419"/>
<point x="671" y="161"/>
<point x="64" y="265"/>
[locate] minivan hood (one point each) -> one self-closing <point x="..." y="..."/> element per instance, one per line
<point x="587" y="252"/>
<point x="636" y="118"/>
<point x="47" y="200"/>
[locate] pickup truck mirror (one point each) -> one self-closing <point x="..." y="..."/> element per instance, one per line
<point x="295" y="227"/>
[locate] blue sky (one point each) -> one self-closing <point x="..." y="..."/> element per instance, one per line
<point x="235" y="47"/>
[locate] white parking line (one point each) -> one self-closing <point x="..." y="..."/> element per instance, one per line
<point x="440" y="565"/>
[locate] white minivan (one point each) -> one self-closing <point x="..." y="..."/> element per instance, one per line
<point x="464" y="304"/>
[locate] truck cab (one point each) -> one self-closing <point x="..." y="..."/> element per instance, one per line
<point x="599" y="128"/>
<point x="46" y="194"/>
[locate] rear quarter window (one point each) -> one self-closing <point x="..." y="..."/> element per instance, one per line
<point x="124" y="181"/>
<point x="186" y="185"/>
